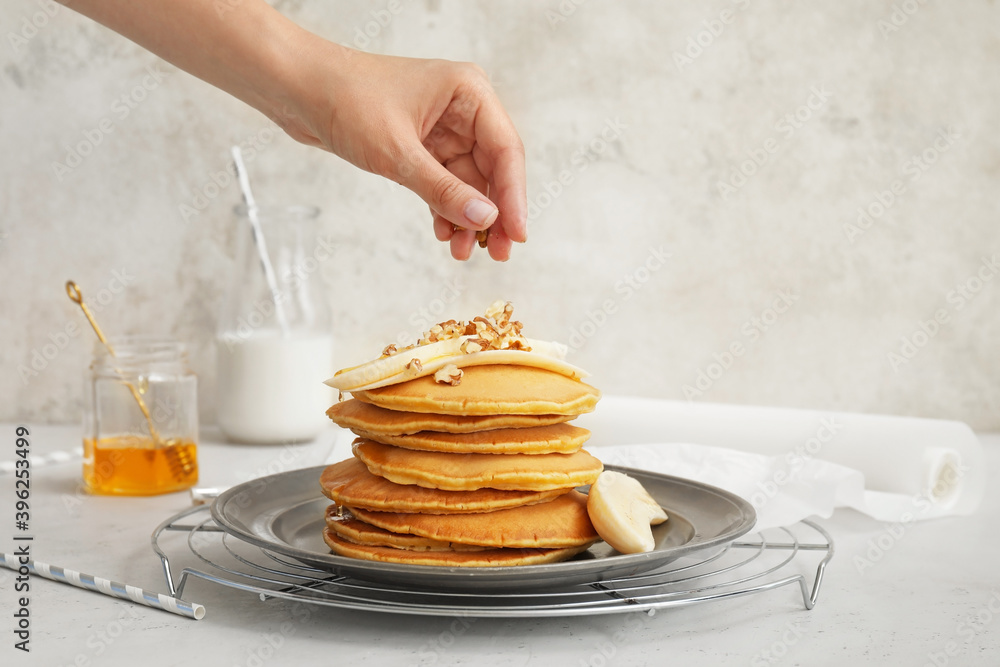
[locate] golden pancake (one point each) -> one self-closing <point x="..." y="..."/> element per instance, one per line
<point x="489" y="390"/>
<point x="467" y="472"/>
<point x="358" y="415"/>
<point x="349" y="528"/>
<point x="350" y="483"/>
<point x="562" y="522"/>
<point x="484" y="558"/>
<point x="554" y="438"/>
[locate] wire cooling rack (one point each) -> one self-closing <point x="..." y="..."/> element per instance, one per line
<point x="758" y="562"/>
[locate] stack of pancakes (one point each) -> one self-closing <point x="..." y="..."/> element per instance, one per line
<point x="481" y="473"/>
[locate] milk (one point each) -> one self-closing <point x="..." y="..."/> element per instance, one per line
<point x="270" y="388"/>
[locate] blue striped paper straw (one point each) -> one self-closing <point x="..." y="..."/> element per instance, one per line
<point x="106" y="586"/>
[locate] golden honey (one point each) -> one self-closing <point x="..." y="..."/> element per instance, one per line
<point x="134" y="466"/>
<point x="140" y="430"/>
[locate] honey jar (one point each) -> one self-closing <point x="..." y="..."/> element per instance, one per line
<point x="141" y="418"/>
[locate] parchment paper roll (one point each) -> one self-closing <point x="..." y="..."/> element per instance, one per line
<point x="940" y="461"/>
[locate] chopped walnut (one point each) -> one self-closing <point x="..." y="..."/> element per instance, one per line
<point x="450" y="374"/>
<point x="491" y="339"/>
<point x="473" y="345"/>
<point x="495" y="308"/>
<point x="414" y="365"/>
<point x="443" y="331"/>
<point x="495" y="331"/>
<point x="392" y="349"/>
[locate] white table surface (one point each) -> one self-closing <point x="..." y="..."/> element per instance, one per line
<point x="908" y="609"/>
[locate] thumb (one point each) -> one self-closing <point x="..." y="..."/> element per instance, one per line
<point x="446" y="194"/>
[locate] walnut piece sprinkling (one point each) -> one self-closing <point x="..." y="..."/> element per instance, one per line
<point x="450" y="374"/>
<point x="414" y="365"/>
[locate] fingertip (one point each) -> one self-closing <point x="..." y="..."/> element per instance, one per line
<point x="462" y="241"/>
<point x="513" y="204"/>
<point x="443" y="229"/>
<point x="498" y="244"/>
<point x="516" y="227"/>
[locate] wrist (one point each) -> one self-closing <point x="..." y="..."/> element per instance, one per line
<point x="267" y="69"/>
<point x="301" y="77"/>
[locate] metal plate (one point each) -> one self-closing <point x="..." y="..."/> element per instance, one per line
<point x="284" y="513"/>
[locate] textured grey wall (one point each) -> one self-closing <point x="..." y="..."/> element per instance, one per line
<point x="648" y="112"/>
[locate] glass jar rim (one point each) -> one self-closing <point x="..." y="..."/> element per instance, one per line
<point x="137" y="351"/>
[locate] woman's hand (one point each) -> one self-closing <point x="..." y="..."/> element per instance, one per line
<point x="434" y="126"/>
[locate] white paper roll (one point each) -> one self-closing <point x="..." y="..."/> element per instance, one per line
<point x="931" y="462"/>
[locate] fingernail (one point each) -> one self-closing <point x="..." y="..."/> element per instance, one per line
<point x="479" y="213"/>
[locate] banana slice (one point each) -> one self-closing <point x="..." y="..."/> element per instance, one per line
<point x="622" y="511"/>
<point x="400" y="367"/>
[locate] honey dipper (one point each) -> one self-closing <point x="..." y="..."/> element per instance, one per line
<point x="181" y="463"/>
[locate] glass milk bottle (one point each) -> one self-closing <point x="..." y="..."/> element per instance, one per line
<point x="274" y="348"/>
<point x="141" y="422"/>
